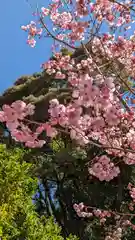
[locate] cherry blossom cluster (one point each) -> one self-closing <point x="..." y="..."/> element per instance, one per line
<point x="79" y="208"/>
<point x="84" y="211"/>
<point x="104" y="117"/>
<point x="115" y="235"/>
<point x="104" y="169"/>
<point x="104" y="114"/>
<point x="132" y="191"/>
<point x="56" y="66"/>
<point x="33" y="31"/>
<point x="74" y="20"/>
<point x="15" y="117"/>
<point x="128" y="223"/>
<point x="66" y="21"/>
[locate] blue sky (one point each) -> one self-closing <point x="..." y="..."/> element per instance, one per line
<point x="16" y="57"/>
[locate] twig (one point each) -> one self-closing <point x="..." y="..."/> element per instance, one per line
<point x="54" y="37"/>
<point x="113" y="212"/>
<point x="90" y="141"/>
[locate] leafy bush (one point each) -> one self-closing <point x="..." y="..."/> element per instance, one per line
<point x="18" y="218"/>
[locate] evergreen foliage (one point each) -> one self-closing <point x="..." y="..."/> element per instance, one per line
<point x="18" y="218"/>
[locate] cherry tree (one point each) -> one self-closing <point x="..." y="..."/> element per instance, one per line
<point x="100" y="34"/>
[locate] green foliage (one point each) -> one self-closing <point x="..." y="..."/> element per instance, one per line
<point x="18" y="218"/>
<point x="57" y="145"/>
<point x="65" y="52"/>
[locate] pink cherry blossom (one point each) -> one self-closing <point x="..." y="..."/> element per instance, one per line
<point x="45" y="11"/>
<point x="104" y="169"/>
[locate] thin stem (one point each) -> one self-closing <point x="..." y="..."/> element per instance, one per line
<point x="113" y="212"/>
<point x="90" y="141"/>
<point x="54" y="37"/>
